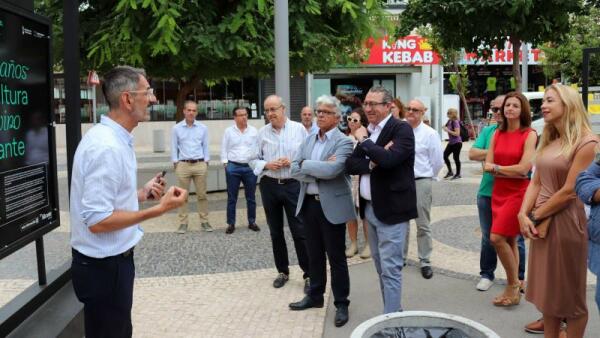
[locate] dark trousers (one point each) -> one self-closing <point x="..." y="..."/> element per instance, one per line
<point x="324" y="238"/>
<point x="453" y="149"/>
<point x="105" y="287"/>
<point x="277" y="198"/>
<point x="488" y="258"/>
<point x="235" y="174"/>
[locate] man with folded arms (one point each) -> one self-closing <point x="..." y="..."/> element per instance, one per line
<point x="385" y="161"/>
<point x="237" y="148"/>
<point x="278" y="144"/>
<point x="190" y="156"/>
<point x="325" y="205"/>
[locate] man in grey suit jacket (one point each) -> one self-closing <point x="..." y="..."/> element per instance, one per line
<point x="325" y="204"/>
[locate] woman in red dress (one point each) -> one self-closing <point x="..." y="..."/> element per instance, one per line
<point x="513" y="147"/>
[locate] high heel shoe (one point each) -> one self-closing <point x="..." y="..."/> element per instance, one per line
<point x="510" y="300"/>
<point x="366" y="252"/>
<point x="449" y="175"/>
<point x="352" y="250"/>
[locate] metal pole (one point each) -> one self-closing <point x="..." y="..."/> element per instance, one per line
<point x="41" y="262"/>
<point x="524" y="67"/>
<point x="72" y="81"/>
<point x="282" y="56"/>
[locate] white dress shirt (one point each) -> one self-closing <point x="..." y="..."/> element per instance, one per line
<point x="428" y="152"/>
<point x="104" y="180"/>
<point x="189" y="142"/>
<point x="273" y="144"/>
<point x="238" y="146"/>
<point x="313" y="188"/>
<point x="365" y="179"/>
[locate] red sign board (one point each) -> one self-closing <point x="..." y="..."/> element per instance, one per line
<point x="409" y="50"/>
<point x="93" y="79"/>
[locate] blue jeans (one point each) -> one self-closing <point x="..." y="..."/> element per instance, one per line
<point x="387" y="246"/>
<point x="236" y="174"/>
<point x="488" y="258"/>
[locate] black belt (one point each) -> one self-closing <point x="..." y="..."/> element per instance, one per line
<point x="421" y="178"/>
<point x="239" y="164"/>
<point x="193" y="161"/>
<point x="279" y="180"/>
<point x="123" y="254"/>
<point x="315" y="197"/>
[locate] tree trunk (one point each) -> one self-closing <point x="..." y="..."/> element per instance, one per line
<point x="516" y="45"/>
<point x="185" y="88"/>
<point x="463" y="99"/>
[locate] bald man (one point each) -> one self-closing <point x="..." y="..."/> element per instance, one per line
<point x="306" y="117"/>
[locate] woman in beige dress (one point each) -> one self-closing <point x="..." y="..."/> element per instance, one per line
<point x="557" y="263"/>
<point x="357" y="119"/>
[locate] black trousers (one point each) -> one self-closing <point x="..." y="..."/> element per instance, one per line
<point x="324" y="238"/>
<point x="105" y="287"/>
<point x="276" y="198"/>
<point x="453" y="149"/>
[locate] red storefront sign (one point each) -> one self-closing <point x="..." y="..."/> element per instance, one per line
<point x="409" y="50"/>
<point x="503" y="56"/>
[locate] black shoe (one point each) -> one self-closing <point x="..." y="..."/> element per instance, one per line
<point x="341" y="315"/>
<point x="307" y="303"/>
<point x="426" y="272"/>
<point x="280" y="281"/>
<point x="449" y="174"/>
<point x="306" y="285"/>
<point x="230" y="229"/>
<point x="253" y="227"/>
<point x="455" y="177"/>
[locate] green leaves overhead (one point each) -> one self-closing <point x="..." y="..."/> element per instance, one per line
<point x="218" y="39"/>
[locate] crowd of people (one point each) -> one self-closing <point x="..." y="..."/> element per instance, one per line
<point x="377" y="171"/>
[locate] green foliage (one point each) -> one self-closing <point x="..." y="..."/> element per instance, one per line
<point x="566" y="59"/>
<point x="189" y="40"/>
<point x="470" y="23"/>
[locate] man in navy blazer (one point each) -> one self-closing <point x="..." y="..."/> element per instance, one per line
<point x="325" y="205"/>
<point x="385" y="160"/>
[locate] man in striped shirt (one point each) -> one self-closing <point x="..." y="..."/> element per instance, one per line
<point x="278" y="142"/>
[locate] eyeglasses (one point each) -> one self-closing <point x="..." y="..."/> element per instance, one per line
<point x="148" y="92"/>
<point x="495" y="109"/>
<point x="272" y="110"/>
<point x="325" y="112"/>
<point x="352" y="120"/>
<point x="372" y="104"/>
<point x="413" y="109"/>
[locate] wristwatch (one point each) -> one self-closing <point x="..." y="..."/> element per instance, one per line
<point x="532" y="218"/>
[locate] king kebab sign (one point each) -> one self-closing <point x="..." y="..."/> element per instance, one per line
<point x="414" y="50"/>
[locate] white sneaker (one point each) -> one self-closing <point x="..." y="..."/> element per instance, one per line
<point x="484" y="284"/>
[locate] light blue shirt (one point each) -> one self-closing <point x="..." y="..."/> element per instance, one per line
<point x="104" y="179"/>
<point x="315" y="155"/>
<point x="189" y="142"/>
<point x="587" y="183"/>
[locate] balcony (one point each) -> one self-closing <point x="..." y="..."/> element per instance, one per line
<point x="396" y="4"/>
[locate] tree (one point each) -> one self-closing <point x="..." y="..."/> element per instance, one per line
<point x="200" y="41"/>
<point x="565" y="59"/>
<point x="470" y="24"/>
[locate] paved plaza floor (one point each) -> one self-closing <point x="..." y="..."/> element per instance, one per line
<point x="215" y="285"/>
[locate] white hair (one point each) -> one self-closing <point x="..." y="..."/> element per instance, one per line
<point x="331" y="101"/>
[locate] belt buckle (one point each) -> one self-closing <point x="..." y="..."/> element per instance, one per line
<point x="317" y="197"/>
<point x="280" y="181"/>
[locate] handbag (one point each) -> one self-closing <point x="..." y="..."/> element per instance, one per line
<point x="543" y="226"/>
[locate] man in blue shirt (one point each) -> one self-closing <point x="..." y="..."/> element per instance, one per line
<point x="104" y="206"/>
<point x="190" y="156"/>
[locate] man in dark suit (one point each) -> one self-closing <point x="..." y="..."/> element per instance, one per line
<point x="385" y="161"/>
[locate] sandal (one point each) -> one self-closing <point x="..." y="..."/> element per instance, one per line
<point x="504" y="300"/>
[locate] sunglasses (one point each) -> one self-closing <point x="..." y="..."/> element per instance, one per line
<point x="495" y="109"/>
<point x="352" y="120"/>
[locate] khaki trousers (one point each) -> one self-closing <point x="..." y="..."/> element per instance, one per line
<point x="197" y="172"/>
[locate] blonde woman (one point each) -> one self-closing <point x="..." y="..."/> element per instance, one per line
<point x="454" y="145"/>
<point x="557" y="263"/>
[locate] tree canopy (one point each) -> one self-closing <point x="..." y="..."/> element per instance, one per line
<point x="210" y="40"/>
<point x="566" y="59"/>
<point x="470" y="24"/>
